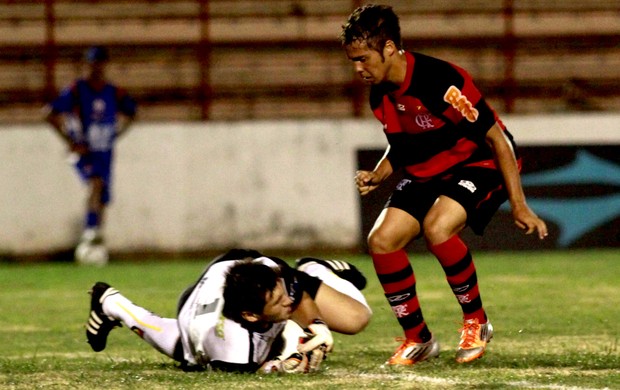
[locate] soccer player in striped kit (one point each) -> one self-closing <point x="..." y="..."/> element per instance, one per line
<point x="460" y="164"/>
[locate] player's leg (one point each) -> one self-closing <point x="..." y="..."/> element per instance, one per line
<point x="109" y="309"/>
<point x="392" y="231"/>
<point x="441" y="227"/>
<point x="95" y="208"/>
<point x="343" y="307"/>
<point x="95" y="168"/>
<point x="444" y="221"/>
<point x="396" y="226"/>
<point x="471" y="198"/>
<point x="341" y="268"/>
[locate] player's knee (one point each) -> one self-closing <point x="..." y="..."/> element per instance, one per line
<point x="432" y="231"/>
<point x="363" y="318"/>
<point x="356" y="320"/>
<point x="437" y="231"/>
<point x="379" y="242"/>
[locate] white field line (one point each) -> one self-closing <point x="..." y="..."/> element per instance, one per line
<point x="451" y="382"/>
<point x="65" y="355"/>
<point x="414" y="378"/>
<point x="550" y="387"/>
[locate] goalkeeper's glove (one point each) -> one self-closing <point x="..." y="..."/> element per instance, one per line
<point x="296" y="363"/>
<point x="315" y="358"/>
<point x="320" y="342"/>
<point x="320" y="335"/>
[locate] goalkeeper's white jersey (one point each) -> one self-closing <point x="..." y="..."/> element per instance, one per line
<point x="208" y="336"/>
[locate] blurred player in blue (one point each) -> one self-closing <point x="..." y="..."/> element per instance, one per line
<point x="89" y="116"/>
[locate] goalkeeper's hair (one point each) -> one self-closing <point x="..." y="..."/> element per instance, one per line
<point x="246" y="287"/>
<point x="373" y="24"/>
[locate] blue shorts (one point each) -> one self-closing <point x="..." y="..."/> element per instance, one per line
<point x="97" y="164"/>
<point x="479" y="190"/>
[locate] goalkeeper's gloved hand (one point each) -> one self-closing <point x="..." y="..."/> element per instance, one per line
<point x="315" y="358"/>
<point x="316" y="346"/>
<point x="294" y="364"/>
<point x="319" y="335"/>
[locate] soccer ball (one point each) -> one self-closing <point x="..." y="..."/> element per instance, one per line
<point x="88" y="253"/>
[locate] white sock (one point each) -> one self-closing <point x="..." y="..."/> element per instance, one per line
<point x="161" y="333"/>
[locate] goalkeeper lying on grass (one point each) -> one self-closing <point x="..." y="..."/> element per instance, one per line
<point x="247" y="312"/>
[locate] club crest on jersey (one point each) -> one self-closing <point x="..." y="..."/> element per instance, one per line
<point x="460" y="103"/>
<point x="424" y="121"/>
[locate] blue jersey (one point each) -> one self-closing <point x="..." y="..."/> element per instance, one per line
<point x="93" y="113"/>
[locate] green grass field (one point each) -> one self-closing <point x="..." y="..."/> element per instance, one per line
<point x="556" y="317"/>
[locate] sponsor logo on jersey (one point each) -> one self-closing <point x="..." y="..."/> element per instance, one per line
<point x="460" y="103"/>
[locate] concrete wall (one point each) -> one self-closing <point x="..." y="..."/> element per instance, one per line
<point x="198" y="186"/>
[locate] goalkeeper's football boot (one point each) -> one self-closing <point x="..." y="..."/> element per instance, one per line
<point x="346" y="271"/>
<point x="474" y="339"/>
<point x="99" y="324"/>
<point x="411" y="352"/>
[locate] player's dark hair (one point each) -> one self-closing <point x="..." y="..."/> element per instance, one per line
<point x="246" y="287"/>
<point x="373" y="24"/>
<point x="96" y="54"/>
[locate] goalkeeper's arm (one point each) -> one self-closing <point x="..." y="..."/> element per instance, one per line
<point x="308" y="316"/>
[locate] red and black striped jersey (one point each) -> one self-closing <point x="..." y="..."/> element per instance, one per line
<point x="436" y="120"/>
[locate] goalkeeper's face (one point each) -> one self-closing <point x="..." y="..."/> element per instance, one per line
<point x="278" y="305"/>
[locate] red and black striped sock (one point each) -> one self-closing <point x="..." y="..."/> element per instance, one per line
<point x="398" y="281"/>
<point x="458" y="265"/>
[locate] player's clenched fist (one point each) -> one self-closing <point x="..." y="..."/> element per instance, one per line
<point x="365" y="181"/>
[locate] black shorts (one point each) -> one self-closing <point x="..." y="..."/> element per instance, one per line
<point x="479" y="190"/>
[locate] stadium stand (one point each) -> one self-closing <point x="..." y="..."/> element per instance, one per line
<point x="269" y="59"/>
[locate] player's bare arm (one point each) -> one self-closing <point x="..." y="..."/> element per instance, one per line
<point x="524" y="217"/>
<point x="367" y="181"/>
<point x="56" y="120"/>
<point x="308" y="316"/>
<point x="124" y="121"/>
<point x="306" y="311"/>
